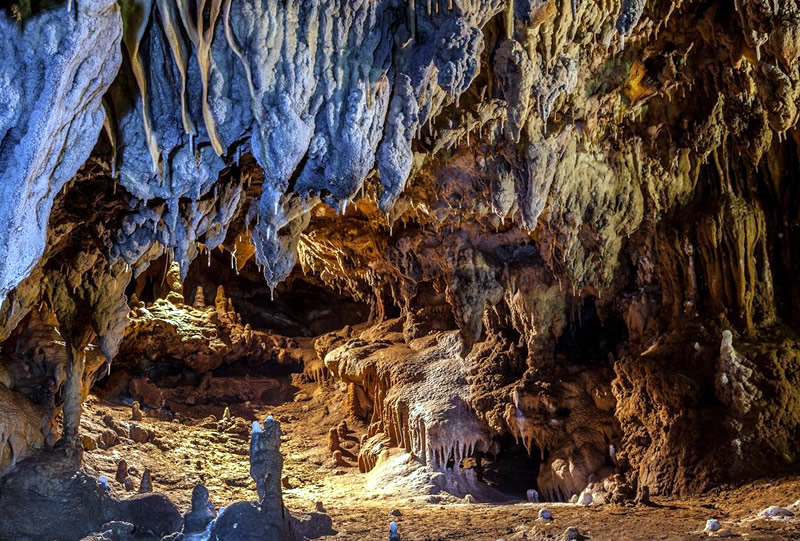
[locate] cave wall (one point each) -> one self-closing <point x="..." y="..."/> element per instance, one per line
<point x="473" y="165"/>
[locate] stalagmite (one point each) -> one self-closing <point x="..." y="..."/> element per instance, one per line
<point x="73" y="396"/>
<point x="146" y="485"/>
<point x="333" y="440"/>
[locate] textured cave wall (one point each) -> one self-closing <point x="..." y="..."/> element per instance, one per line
<point x="529" y="173"/>
<point x="53" y="75"/>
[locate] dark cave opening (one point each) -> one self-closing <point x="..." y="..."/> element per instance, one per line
<point x="591" y="337"/>
<point x="297" y="307"/>
<point x="512" y="471"/>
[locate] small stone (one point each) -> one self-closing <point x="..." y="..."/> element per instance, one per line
<point x="774" y="511"/>
<point x="469" y="499"/>
<point x="585" y="498"/>
<point x="572" y="534"/>
<point x="119" y="529"/>
<point x="396" y="512"/>
<point x="88" y="443"/>
<point x="226" y="415"/>
<point x="545" y="514"/>
<point x="319" y="507"/>
<point x="712" y="525"/>
<point x="433" y="499"/>
<point x="348" y="444"/>
<point x="285" y="483"/>
<point x="107" y="438"/>
<point x="128" y="484"/>
<point x="139" y="434"/>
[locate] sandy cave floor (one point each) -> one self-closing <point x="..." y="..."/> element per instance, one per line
<point x="187" y="451"/>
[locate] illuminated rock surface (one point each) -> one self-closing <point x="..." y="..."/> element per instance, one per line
<point x="514" y="246"/>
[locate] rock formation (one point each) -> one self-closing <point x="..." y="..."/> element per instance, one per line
<point x="201" y="514"/>
<point x="572" y="227"/>
<point x="268" y="518"/>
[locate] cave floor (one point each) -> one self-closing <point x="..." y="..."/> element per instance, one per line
<point x="199" y="449"/>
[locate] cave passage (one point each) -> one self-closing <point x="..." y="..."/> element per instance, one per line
<point x="512" y="470"/>
<point x="589" y="338"/>
<point x="297" y="307"/>
<point x="221" y="338"/>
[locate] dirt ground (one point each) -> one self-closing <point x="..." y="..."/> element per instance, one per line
<point x="184" y="451"/>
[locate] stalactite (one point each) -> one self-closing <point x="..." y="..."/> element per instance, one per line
<point x="412" y="14"/>
<point x="201" y="34"/>
<point x="226" y="17"/>
<point x="169" y="15"/>
<point x="136" y="16"/>
<point x="509" y="19"/>
<point x="109" y="125"/>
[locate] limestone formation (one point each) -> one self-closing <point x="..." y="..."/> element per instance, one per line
<point x="266" y="464"/>
<point x="146" y="484"/>
<point x="51" y="118"/>
<point x="136" y="412"/>
<point x="266" y="519"/>
<point x="333" y="440"/>
<point x="565" y="234"/>
<point x="202" y="512"/>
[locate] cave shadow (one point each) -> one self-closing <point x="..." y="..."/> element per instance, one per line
<point x="23" y="10"/>
<point x="590" y="339"/>
<point x="512" y="471"/>
<point x="313" y="525"/>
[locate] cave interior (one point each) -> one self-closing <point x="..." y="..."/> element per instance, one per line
<point x="317" y="269"/>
